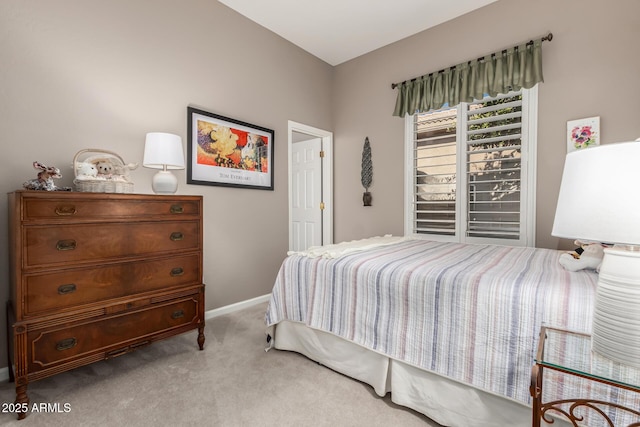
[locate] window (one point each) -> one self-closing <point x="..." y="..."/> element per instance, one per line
<point x="472" y="171"/>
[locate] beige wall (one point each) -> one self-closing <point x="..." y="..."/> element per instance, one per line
<point x="76" y="74"/>
<point x="590" y="69"/>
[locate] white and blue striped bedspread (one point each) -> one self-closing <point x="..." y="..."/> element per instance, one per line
<point x="470" y="312"/>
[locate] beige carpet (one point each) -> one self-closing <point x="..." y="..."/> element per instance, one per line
<point x="233" y="382"/>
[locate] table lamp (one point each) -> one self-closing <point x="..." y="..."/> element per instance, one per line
<point x="163" y="151"/>
<point x="599" y="201"/>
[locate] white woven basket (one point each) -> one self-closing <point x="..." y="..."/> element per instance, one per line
<point x="116" y="181"/>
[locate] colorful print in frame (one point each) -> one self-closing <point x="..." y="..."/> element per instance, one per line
<point x="228" y="152"/>
<point x="583" y="133"/>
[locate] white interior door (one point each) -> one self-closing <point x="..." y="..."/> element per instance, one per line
<point x="310" y="186"/>
<point x="306" y="193"/>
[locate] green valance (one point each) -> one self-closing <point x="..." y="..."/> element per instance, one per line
<point x="512" y="69"/>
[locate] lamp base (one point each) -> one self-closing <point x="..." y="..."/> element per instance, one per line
<point x="164" y="182"/>
<point x="616" y="318"/>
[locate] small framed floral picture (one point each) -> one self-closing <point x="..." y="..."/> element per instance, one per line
<point x="583" y="133"/>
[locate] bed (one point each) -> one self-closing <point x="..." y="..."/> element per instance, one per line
<point x="449" y="329"/>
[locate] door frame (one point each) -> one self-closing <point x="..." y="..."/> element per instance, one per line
<point x="327" y="177"/>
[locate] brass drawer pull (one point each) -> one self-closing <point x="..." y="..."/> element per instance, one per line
<point x="118" y="352"/>
<point x="176" y="235"/>
<point x="177" y="314"/>
<point x="66" y="289"/>
<point x="66" y="245"/>
<point x="176" y="209"/>
<point x="178" y="271"/>
<point x="65" y="210"/>
<point x="66" y="344"/>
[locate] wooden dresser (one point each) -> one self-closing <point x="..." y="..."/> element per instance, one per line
<point x="94" y="276"/>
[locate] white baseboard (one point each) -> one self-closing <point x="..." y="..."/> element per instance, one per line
<point x="4" y="372"/>
<point x="235" y="307"/>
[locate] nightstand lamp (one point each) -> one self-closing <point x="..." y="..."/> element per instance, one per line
<point x="599" y="201"/>
<point x="163" y="151"/>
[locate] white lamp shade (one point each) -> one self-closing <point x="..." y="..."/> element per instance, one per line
<point x="163" y="150"/>
<point x="599" y="198"/>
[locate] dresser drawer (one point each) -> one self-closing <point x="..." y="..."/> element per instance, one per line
<point x="96" y="243"/>
<point x="63" y="289"/>
<point x="112" y="335"/>
<point x="78" y="209"/>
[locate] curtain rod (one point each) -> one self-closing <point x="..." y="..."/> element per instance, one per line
<point x="548" y="37"/>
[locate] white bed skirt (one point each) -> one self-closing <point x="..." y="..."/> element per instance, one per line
<point x="443" y="400"/>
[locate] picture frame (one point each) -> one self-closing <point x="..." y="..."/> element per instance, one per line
<point x="228" y="152"/>
<point x="583" y="133"/>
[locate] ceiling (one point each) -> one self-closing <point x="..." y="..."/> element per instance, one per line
<point x="339" y="30"/>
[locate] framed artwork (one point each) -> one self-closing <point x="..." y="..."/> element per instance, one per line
<point x="228" y="152"/>
<point x="583" y="133"/>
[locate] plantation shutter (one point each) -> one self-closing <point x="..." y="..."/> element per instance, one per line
<point x="493" y="167"/>
<point x="467" y="174"/>
<point x="435" y="165"/>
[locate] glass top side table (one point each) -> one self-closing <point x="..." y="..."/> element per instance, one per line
<point x="570" y="353"/>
